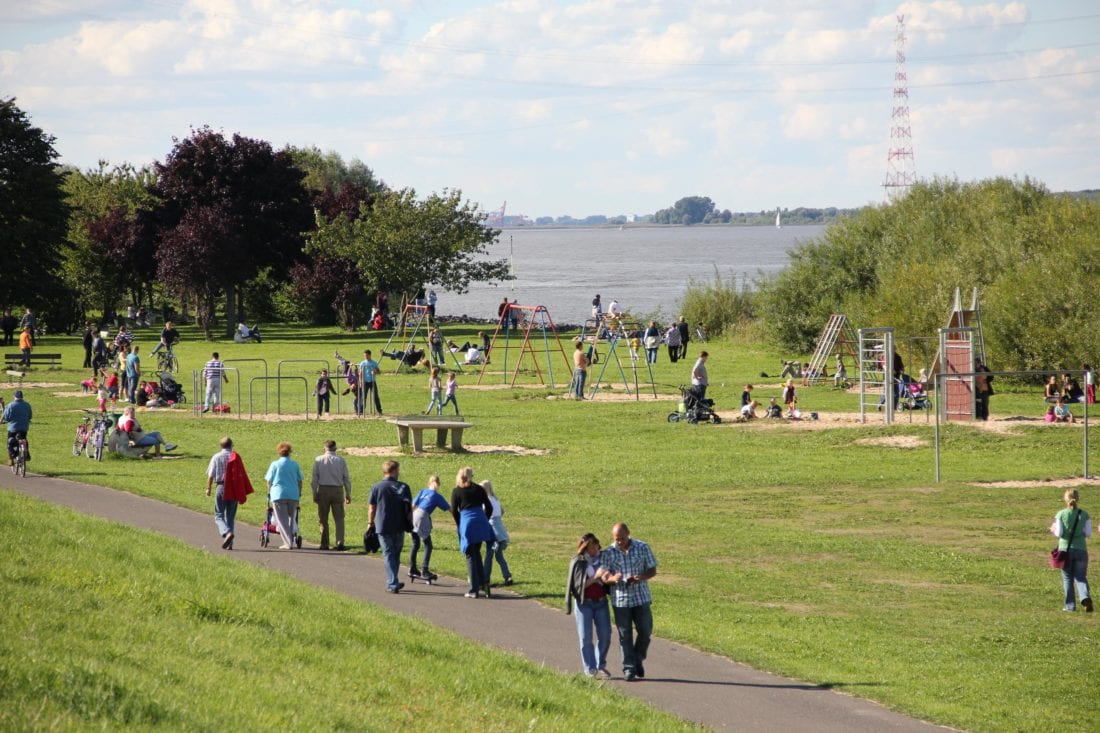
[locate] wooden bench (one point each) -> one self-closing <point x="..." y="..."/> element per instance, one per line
<point x="54" y="359"/>
<point x="419" y="423"/>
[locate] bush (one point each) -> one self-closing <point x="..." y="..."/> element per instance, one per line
<point x="721" y="306"/>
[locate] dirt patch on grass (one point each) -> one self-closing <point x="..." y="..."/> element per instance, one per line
<point x="1058" y="483"/>
<point x="33" y="385"/>
<point x="509" y="450"/>
<point x="75" y="394"/>
<point x="895" y="441"/>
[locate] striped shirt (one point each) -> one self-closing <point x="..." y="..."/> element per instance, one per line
<point x="213" y="371"/>
<point x="636" y="561"/>
<point x="216" y="469"/>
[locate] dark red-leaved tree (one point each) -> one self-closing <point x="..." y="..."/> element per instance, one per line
<point x="334" y="280"/>
<point x="201" y="244"/>
<point x="260" y="202"/>
<point x="128" y="242"/>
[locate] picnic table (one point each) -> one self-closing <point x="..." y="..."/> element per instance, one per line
<point x="417" y="424"/>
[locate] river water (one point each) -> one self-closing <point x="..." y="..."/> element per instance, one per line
<point x="645" y="268"/>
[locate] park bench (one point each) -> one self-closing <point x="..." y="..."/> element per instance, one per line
<point x="417" y="424"/>
<point x="54" y="359"/>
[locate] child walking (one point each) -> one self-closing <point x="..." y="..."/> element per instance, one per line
<point x="452" y="382"/>
<point x="435" y="386"/>
<point x="496" y="549"/>
<point x="428" y="500"/>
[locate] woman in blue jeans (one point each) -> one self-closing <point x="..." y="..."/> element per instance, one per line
<point x="586" y="598"/>
<point x="1071" y="526"/>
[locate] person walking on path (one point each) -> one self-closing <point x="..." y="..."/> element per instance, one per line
<point x="368" y="380"/>
<point x="323" y="390"/>
<point x="214" y="373"/>
<point x="499" y="543"/>
<point x="699" y="376"/>
<point x="391" y="515"/>
<point x="1071" y="526"/>
<point x="427" y="500"/>
<point x="226" y="475"/>
<point x="284" y="490"/>
<point x="452" y="383"/>
<point x="580" y="370"/>
<point x="630" y="564"/>
<point x="586" y="598"/>
<point x="435" y="388"/>
<point x="331" y="485"/>
<point x="471" y="509"/>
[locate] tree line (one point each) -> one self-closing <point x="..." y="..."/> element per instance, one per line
<point x="223" y="227"/>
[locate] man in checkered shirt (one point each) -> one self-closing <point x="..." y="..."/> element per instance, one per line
<point x="627" y="566"/>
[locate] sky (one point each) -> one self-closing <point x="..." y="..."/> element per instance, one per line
<point x="577" y="108"/>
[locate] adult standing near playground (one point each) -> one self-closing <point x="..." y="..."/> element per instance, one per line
<point x="685" y="336"/>
<point x="651" y="339"/>
<point x="227" y="478"/>
<point x="284" y="490"/>
<point x="8" y="324"/>
<point x="672" y="340"/>
<point x="983" y="390"/>
<point x="391" y="515"/>
<point x="1071" y="526"/>
<point x="471" y="510"/>
<point x="597" y="308"/>
<point x="502" y="313"/>
<point x="30" y="322"/>
<point x="17" y="415"/>
<point x="586" y="598"/>
<point x="86" y="342"/>
<point x="331" y="485"/>
<point x="630" y="564"/>
<point x="26" y="345"/>
<point x="133" y="373"/>
<point x="368" y="380"/>
<point x="699" y="376"/>
<point x="432" y="298"/>
<point x="435" y="341"/>
<point x="214" y="374"/>
<point x="580" y="370"/>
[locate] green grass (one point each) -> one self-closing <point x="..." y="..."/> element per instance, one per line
<point x="808" y="553"/>
<point x="117" y="628"/>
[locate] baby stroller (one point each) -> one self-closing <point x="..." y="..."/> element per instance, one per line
<point x="170" y="389"/>
<point x="270" y="528"/>
<point x="916" y="397"/>
<point x="693" y="409"/>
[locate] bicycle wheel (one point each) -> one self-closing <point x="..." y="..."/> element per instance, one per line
<point x="81" y="440"/>
<point x="97" y="446"/>
<point x="172" y="364"/>
<point x="21" y="462"/>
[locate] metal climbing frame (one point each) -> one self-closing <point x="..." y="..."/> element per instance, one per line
<point x="630" y="331"/>
<point x="535" y="318"/>
<point x="198" y="382"/>
<point x="876" y="372"/>
<point x="407" y="330"/>
<point x="837" y="336"/>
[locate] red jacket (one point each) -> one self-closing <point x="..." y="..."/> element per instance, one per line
<point x="237" y="485"/>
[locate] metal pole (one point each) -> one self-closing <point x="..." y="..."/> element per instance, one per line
<point x="938" y="383"/>
<point x="241" y="361"/>
<point x="279" y="385"/>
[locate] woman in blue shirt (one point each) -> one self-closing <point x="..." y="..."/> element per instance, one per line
<point x="284" y="490"/>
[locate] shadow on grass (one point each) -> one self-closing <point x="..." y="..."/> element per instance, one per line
<point x="823" y="687"/>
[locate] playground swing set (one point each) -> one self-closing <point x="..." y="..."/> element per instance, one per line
<point x="412" y="328"/>
<point x="534" y="341"/>
<point x="614" y="332"/>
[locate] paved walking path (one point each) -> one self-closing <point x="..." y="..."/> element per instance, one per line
<point x="696" y="686"/>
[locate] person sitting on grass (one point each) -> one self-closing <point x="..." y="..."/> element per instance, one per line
<point x="748" y="410"/>
<point x="774" y="410"/>
<point x="1052" y="393"/>
<point x="138" y="438"/>
<point x="473" y="355"/>
<point x="1062" y="413"/>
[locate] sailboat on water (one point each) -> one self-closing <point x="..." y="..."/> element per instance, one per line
<point x="778" y="221"/>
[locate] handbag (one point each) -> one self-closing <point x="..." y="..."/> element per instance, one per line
<point x="1058" y="557"/>
<point x="371" y="543"/>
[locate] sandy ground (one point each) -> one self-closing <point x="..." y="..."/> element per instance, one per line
<point x="33" y="385"/>
<point x="510" y="450"/>
<point x="1064" y="483"/>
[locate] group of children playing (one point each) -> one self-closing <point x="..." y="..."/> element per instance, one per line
<point x="790" y="400"/>
<point x="107" y="388"/>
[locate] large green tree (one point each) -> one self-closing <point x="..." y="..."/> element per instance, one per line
<point x="402" y="243"/>
<point x="117" y="263"/>
<point x="32" y="213"/>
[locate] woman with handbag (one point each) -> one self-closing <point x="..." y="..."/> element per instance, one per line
<point x="1071" y="526"/>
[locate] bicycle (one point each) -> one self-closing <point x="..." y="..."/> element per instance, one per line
<point x="97" y="439"/>
<point x="167" y="361"/>
<point x="83" y="431"/>
<point x="19" y="463"/>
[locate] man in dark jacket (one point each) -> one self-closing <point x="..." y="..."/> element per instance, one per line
<point x="391" y="514"/>
<point x="685" y="336"/>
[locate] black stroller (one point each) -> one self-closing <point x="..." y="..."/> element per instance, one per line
<point x="170" y="389"/>
<point x="693" y="409"/>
